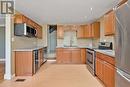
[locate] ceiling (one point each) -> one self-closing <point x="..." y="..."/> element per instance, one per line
<point x="64" y="11"/>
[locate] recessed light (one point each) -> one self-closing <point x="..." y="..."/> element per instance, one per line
<point x="85" y="17"/>
<point x="91" y="9"/>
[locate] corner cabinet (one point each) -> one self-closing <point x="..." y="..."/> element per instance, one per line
<point x="19" y="18"/>
<point x="60" y="31"/>
<point x="105" y="69"/>
<point x="109" y="20"/>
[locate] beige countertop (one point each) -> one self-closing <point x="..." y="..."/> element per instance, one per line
<point x="107" y="52"/>
<point x="74" y="47"/>
<point x="28" y="49"/>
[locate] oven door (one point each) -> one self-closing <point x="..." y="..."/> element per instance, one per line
<point x="90" y="58"/>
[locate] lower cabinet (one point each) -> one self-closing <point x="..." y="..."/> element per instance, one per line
<point x="105" y="71"/>
<point x="71" y="56"/>
<point x="26" y="62"/>
<point x="67" y="56"/>
<point x="76" y="56"/>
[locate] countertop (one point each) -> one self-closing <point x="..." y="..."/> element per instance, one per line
<point x="107" y="52"/>
<point x="28" y="49"/>
<point x="74" y="47"/>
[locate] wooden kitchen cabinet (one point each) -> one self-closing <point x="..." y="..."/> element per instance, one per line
<point x="66" y="56"/>
<point x="99" y="68"/>
<point x="95" y="33"/>
<point x="109" y="75"/>
<point x="24" y="63"/>
<point x="109" y="20"/>
<point x="59" y="55"/>
<point x="81" y="32"/>
<point x="20" y="19"/>
<point x="60" y="31"/>
<point x="88" y="31"/>
<point x="83" y="55"/>
<point x="105" y="69"/>
<point x="39" y="32"/>
<point x="76" y="56"/>
<point x="71" y="55"/>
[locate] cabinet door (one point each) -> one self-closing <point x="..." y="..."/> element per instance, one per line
<point x="18" y="19"/>
<point x="59" y="55"/>
<point x="83" y="56"/>
<point x="60" y="31"/>
<point x="96" y="30"/>
<point x="80" y="32"/>
<point x="66" y="56"/>
<point x="39" y="32"/>
<point x="76" y="56"/>
<point x="99" y="68"/>
<point x="109" y="75"/>
<point x="109" y="24"/>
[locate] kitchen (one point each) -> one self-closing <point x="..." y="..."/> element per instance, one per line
<point x="94" y="46"/>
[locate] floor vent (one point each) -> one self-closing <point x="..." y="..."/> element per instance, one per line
<point x="20" y="80"/>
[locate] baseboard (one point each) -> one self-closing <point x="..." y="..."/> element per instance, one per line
<point x="13" y="75"/>
<point x="2" y="60"/>
<point x="8" y="77"/>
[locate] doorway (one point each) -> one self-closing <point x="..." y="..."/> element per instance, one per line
<point x="2" y="47"/>
<point x="52" y="41"/>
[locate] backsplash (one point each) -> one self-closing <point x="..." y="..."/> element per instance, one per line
<point x="24" y="42"/>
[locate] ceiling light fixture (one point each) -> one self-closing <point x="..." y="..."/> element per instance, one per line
<point x="91" y="9"/>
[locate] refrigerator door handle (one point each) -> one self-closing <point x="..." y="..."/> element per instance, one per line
<point x="121" y="73"/>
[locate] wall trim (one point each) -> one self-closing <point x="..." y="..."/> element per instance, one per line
<point x="2" y="60"/>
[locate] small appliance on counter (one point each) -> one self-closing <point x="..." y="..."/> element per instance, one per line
<point x="105" y="46"/>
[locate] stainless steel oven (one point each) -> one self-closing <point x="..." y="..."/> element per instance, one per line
<point x="91" y="60"/>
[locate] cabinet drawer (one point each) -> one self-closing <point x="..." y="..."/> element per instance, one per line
<point x="106" y="58"/>
<point x="109" y="59"/>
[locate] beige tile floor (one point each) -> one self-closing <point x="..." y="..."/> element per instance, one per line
<point x="57" y="75"/>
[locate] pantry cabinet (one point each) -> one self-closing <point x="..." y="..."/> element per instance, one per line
<point x="60" y="31"/>
<point x="19" y="18"/>
<point x="109" y="20"/>
<point x="105" y="69"/>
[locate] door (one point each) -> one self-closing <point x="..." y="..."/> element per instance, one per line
<point x="123" y="38"/>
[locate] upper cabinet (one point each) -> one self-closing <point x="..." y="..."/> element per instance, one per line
<point x="60" y="31"/>
<point x="89" y="31"/>
<point x="19" y="18"/>
<point x="81" y="32"/>
<point x="95" y="30"/>
<point x="109" y="20"/>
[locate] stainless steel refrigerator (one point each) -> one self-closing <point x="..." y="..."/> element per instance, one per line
<point x="122" y="46"/>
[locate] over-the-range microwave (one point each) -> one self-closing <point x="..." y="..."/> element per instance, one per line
<point x="22" y="29"/>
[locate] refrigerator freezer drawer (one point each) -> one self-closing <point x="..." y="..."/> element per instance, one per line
<point x="121" y="79"/>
